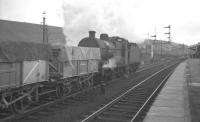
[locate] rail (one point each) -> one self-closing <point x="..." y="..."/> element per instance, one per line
<point x="101" y="110"/>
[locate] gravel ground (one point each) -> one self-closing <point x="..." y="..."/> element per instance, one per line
<point x="74" y="112"/>
<point x="194" y="89"/>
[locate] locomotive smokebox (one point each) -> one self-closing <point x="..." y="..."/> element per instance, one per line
<point x="92" y="34"/>
<point x="103" y="36"/>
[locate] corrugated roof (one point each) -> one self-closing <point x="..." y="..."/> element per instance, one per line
<point x="28" y="32"/>
<point x="11" y="51"/>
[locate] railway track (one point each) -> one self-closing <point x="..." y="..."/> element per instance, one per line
<point x="51" y="101"/>
<point x="128" y="107"/>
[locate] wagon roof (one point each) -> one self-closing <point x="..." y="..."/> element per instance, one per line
<point x="22" y="51"/>
<point x="69" y="53"/>
<point x="82" y="53"/>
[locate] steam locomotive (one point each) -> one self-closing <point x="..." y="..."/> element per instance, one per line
<point x="118" y="55"/>
<point x="30" y="70"/>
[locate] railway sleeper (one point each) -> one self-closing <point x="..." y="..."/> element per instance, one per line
<point x="125" y="100"/>
<point x="109" y="119"/>
<point x="135" y="98"/>
<point x="126" y="107"/>
<point x="121" y="110"/>
<point x="133" y="101"/>
<point x="115" y="113"/>
<point x="126" y="104"/>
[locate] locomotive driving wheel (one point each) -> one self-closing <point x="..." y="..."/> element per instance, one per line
<point x="20" y="105"/>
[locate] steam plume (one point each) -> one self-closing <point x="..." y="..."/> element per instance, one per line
<point x="103" y="16"/>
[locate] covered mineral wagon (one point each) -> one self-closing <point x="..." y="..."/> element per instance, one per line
<point x="22" y="67"/>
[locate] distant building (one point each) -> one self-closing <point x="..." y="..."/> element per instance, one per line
<point x="161" y="47"/>
<point x="194" y="50"/>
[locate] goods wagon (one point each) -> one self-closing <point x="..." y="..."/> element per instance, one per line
<point x="78" y="60"/>
<point x="22" y="66"/>
<point x="79" y="65"/>
<point x="26" y="73"/>
<point x="16" y="74"/>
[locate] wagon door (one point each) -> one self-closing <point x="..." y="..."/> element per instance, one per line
<point x="34" y="71"/>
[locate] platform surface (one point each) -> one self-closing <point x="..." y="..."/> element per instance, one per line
<point x="194" y="88"/>
<point x="171" y="105"/>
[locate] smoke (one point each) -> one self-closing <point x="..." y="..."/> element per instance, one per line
<point x="111" y="63"/>
<point x="103" y="16"/>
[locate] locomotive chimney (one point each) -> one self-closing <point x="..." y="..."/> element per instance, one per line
<point x="104" y="36"/>
<point x="92" y="34"/>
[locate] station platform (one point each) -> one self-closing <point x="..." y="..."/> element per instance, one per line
<point x="172" y="104"/>
<point x="194" y="88"/>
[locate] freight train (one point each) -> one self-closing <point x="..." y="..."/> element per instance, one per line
<point x="30" y="70"/>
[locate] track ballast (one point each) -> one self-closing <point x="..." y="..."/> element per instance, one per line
<point x="130" y="106"/>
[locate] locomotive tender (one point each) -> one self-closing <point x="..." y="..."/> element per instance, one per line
<point x="30" y="70"/>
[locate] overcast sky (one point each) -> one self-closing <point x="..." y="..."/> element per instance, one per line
<point x="132" y="19"/>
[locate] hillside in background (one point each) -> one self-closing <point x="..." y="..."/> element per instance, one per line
<point x="28" y="32"/>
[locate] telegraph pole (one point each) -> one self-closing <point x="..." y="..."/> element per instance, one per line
<point x="169" y="32"/>
<point x="154" y="36"/>
<point x="161" y="48"/>
<point x="44" y="29"/>
<point x="147" y="43"/>
<point x="169" y="35"/>
<point x="152" y="46"/>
